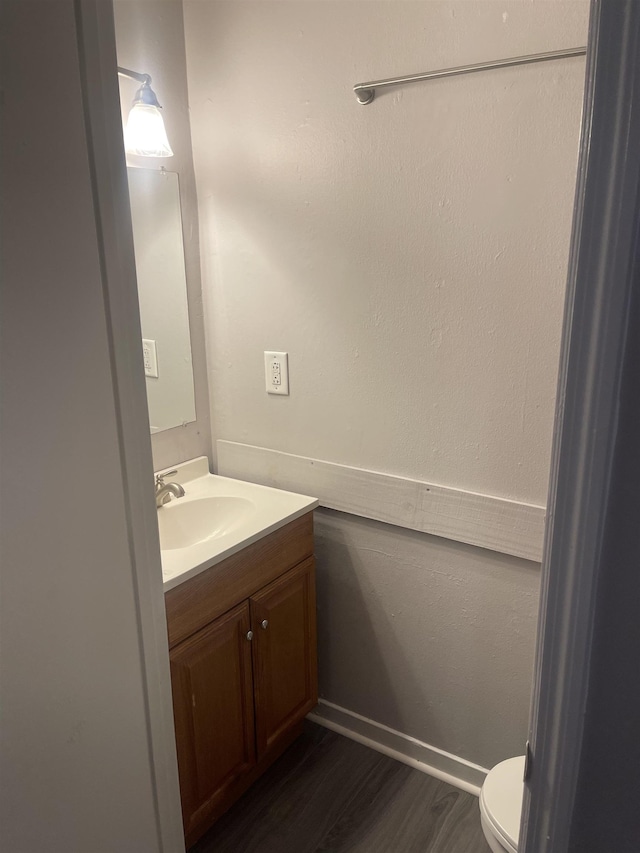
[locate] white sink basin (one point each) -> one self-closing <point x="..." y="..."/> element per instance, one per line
<point x="217" y="517"/>
<point x="184" y="522"/>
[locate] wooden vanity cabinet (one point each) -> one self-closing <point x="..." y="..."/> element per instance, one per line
<point x="213" y="712"/>
<point x="284" y="654"/>
<point x="243" y="677"/>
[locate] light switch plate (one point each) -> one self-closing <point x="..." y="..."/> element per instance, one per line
<point x="150" y="355"/>
<point x="276" y="372"/>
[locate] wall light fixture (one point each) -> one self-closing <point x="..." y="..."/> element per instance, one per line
<point x="144" y="132"/>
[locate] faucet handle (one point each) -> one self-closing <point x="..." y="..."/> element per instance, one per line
<point x="160" y="477"/>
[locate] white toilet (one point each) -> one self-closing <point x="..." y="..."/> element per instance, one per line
<point x="501" y="805"/>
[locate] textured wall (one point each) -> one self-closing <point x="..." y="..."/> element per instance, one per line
<point x="411" y="257"/>
<point x="429" y="637"/>
<point x="150" y="38"/>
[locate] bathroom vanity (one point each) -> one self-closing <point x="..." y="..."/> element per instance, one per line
<point x="242" y="640"/>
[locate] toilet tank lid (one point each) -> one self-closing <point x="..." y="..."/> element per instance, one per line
<point x="501" y="798"/>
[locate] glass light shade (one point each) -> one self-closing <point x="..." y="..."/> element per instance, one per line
<point x="144" y="133"/>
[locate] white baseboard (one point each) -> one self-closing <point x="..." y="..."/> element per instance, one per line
<point x="435" y="762"/>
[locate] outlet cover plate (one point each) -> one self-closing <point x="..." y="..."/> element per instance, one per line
<point x="276" y="372"/>
<point x="150" y="355"/>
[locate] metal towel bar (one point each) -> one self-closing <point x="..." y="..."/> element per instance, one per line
<point x="365" y="92"/>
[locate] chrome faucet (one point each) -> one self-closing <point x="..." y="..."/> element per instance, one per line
<point x="165" y="491"/>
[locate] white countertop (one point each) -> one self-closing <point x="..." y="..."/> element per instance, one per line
<point x="267" y="510"/>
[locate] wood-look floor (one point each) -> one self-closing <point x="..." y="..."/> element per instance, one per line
<point x="329" y="794"/>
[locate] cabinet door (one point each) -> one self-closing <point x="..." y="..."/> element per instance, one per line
<point x="283" y="618"/>
<point x="212" y="688"/>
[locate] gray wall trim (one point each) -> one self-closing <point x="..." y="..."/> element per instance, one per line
<point x="596" y="329"/>
<point x="96" y="43"/>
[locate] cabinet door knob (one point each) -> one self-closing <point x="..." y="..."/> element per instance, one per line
<point x="264" y="624"/>
<point x="249" y="635"/>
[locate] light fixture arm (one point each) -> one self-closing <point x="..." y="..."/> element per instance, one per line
<point x="134" y="75"/>
<point x="145" y="94"/>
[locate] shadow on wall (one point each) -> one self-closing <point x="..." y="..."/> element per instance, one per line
<point x="359" y="648"/>
<point x="432" y="638"/>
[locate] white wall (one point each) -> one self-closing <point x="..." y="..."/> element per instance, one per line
<point x="410" y="256"/>
<point x="150" y="39"/>
<point x="77" y="739"/>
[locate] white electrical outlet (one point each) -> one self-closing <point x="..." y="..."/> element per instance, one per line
<point x="276" y="372"/>
<point x="150" y="356"/>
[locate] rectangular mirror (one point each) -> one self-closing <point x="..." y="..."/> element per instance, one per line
<point x="162" y="291"/>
